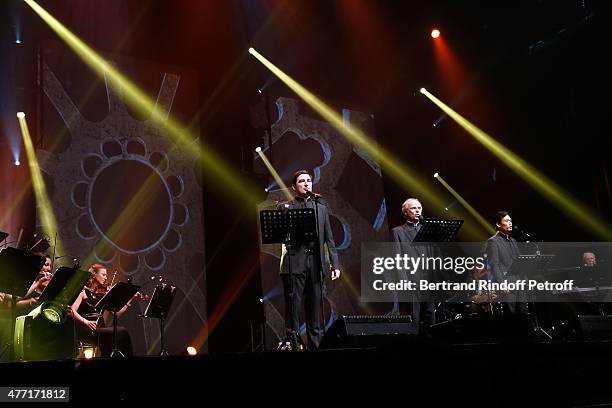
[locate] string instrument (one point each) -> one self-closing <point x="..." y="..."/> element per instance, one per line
<point x="102" y="290"/>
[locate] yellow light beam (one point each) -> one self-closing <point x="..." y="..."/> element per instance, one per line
<point x="230" y="180"/>
<point x="392" y="166"/>
<point x="481" y="220"/>
<point x="572" y="207"/>
<point x="274" y="174"/>
<point x="49" y="223"/>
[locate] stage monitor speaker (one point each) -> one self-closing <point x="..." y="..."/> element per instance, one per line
<point x="482" y="327"/>
<point x="368" y="331"/>
<point x="595" y="326"/>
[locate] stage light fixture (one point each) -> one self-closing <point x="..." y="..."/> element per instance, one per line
<point x="435" y="33"/>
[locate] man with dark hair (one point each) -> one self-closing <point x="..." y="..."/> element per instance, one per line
<point x="501" y="251"/>
<point x="305" y="265"/>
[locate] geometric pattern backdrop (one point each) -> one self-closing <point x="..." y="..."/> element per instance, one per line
<point x="123" y="192"/>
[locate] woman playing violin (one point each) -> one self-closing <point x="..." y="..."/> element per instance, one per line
<point x="30" y="300"/>
<point x="89" y="321"/>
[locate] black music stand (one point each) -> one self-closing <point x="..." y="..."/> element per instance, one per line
<point x="158" y="308"/>
<point x="438" y="230"/>
<point x="60" y="288"/>
<point x="18" y="269"/>
<point x="291" y="227"/>
<point x="528" y="267"/>
<point x="113" y="301"/>
<point x="41" y="245"/>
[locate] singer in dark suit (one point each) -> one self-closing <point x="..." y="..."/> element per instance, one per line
<point x="421" y="312"/>
<point x="501" y="251"/>
<point x="304" y="268"/>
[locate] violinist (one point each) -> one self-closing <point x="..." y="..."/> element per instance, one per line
<point x="90" y="325"/>
<point x="30" y="300"/>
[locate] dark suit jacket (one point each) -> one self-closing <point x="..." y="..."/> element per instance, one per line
<point x="405" y="232"/>
<point x="325" y="236"/>
<point x="501" y="253"/>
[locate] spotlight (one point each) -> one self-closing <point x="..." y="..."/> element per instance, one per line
<point x="17" y="163"/>
<point x="259" y="90"/>
<point x="258" y="149"/>
<point x="251" y="50"/>
<point x="191" y="351"/>
<point x="435" y="33"/>
<point x="88" y="353"/>
<point x="20" y="115"/>
<point x="422" y="90"/>
<point x="434" y="125"/>
<point x="17" y="41"/>
<point x="261" y="300"/>
<point x="266" y="189"/>
<point x="435" y="175"/>
<point x="445" y="208"/>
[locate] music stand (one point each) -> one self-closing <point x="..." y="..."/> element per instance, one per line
<point x="438" y="230"/>
<point x="41" y="245"/>
<point x="291" y="227"/>
<point x="158" y="308"/>
<point x="529" y="266"/>
<point x="114" y="300"/>
<point x="60" y="288"/>
<point x="18" y="269"/>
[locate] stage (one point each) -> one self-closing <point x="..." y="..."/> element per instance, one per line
<point x="415" y="373"/>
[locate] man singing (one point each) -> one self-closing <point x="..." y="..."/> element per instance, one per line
<point x="421" y="312"/>
<point x="305" y="265"/>
<point x="502" y="250"/>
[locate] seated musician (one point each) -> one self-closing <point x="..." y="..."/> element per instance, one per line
<point x="30" y="300"/>
<point x="589" y="259"/>
<point x="474" y="302"/>
<point x="90" y="326"/>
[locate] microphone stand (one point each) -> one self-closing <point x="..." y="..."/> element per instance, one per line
<point x="315" y="198"/>
<point x="537" y="329"/>
<point x="54" y="249"/>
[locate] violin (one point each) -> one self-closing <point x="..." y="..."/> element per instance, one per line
<point x="143" y="296"/>
<point x="101" y="290"/>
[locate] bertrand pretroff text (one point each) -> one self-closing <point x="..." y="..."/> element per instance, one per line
<point x="479" y="285"/>
<point x="542" y="272"/>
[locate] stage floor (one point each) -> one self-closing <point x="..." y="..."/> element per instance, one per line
<point x="418" y="372"/>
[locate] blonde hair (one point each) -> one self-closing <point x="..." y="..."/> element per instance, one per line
<point x="93" y="269"/>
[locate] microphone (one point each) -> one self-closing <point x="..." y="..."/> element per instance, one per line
<point x="527" y="235"/>
<point x="75" y="260"/>
<point x="313" y="195"/>
<point x="421" y="219"/>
